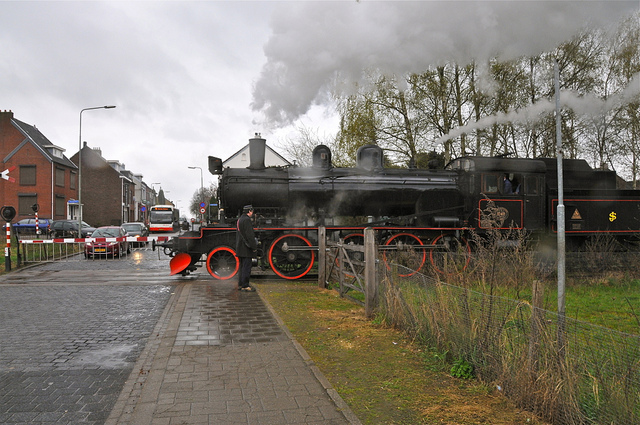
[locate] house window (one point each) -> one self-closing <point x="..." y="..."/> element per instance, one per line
<point x="25" y="202"/>
<point x="73" y="179"/>
<point x="60" y="177"/>
<point x="27" y="175"/>
<point x="55" y="151"/>
<point x="61" y="206"/>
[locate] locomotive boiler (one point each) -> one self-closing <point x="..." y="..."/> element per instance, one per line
<point x="427" y="210"/>
<point x="320" y="193"/>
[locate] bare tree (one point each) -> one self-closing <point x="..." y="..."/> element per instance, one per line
<point x="625" y="61"/>
<point x="507" y="106"/>
<point x="299" y="148"/>
<point x="209" y="194"/>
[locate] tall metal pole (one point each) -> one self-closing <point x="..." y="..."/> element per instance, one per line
<point x="80" y="167"/>
<point x="560" y="214"/>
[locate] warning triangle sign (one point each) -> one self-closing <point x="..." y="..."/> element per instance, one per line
<point x="576" y="215"/>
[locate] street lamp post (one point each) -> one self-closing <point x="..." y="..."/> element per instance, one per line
<point x="80" y="166"/>
<point x="201" y="190"/>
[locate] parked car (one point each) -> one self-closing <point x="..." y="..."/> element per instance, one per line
<point x="107" y="249"/>
<point x="136" y="229"/>
<point x="28" y="226"/>
<point x="69" y="229"/>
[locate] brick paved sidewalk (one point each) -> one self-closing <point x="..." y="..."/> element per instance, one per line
<point x="220" y="356"/>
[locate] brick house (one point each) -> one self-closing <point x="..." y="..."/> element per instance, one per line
<point x="43" y="175"/>
<point x="107" y="189"/>
<point x="142" y="200"/>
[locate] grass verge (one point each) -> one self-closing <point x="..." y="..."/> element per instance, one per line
<point x="384" y="377"/>
<point x="13" y="257"/>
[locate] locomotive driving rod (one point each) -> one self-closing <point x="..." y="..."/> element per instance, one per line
<point x="399" y="247"/>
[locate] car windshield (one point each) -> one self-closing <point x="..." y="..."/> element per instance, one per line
<point x="132" y="227"/>
<point x="109" y="232"/>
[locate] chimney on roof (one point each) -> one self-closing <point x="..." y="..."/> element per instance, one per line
<point x="6" y="115"/>
<point x="257" y="147"/>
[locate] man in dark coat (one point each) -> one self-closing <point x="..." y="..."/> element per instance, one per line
<point x="246" y="247"/>
<point x="508" y="187"/>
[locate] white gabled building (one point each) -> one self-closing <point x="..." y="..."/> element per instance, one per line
<point x="241" y="159"/>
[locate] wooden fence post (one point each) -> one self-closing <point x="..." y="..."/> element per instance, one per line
<point x="322" y="257"/>
<point x="340" y="258"/>
<point x="370" y="281"/>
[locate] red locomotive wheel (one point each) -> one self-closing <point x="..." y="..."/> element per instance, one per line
<point x="410" y="252"/>
<point x="287" y="260"/>
<point x="449" y="251"/>
<point x="223" y="263"/>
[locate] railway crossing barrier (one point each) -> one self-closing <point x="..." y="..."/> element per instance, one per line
<point x="41" y="250"/>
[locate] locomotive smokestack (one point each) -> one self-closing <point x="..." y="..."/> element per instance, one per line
<point x="257" y="147"/>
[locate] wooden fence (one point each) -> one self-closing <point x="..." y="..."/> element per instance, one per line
<point x="354" y="264"/>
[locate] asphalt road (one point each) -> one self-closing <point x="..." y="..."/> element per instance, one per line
<point x="71" y="332"/>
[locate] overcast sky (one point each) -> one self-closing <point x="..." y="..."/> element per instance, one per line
<point x="196" y="78"/>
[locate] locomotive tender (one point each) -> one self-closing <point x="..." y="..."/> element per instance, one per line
<point x="426" y="210"/>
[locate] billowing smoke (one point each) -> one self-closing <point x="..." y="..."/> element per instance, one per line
<point x="318" y="47"/>
<point x="581" y="104"/>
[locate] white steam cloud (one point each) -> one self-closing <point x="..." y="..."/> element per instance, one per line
<point x="316" y="45"/>
<point x="581" y="104"/>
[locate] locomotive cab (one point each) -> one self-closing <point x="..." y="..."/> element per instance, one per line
<point x="503" y="193"/>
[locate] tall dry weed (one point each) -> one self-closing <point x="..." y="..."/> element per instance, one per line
<point x="480" y="311"/>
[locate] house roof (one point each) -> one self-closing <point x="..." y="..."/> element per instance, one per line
<point x="40" y="142"/>
<point x="246" y="148"/>
<point x="94" y="159"/>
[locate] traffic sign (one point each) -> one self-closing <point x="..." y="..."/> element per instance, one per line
<point x="202" y="205"/>
<point x="203" y="210"/>
<point x="5" y="174"/>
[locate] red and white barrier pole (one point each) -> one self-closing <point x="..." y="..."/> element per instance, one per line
<point x="7" y="249"/>
<point x="37" y="228"/>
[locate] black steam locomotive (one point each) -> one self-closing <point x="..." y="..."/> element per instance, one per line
<point x="427" y="209"/>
